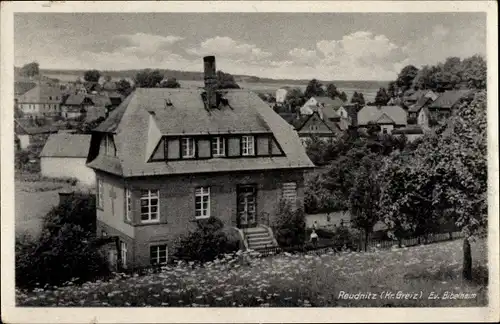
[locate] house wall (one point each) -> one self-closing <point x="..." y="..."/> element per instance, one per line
<point x="64" y="167"/>
<point x="177" y="204"/>
<point x="281" y="95"/>
<point x="306" y="108"/>
<point x="24" y="141"/>
<point x="423" y="120"/>
<point x="389" y="128"/>
<point x="314" y="125"/>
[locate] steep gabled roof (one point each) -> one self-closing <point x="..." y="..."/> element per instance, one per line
<point x="76" y="99"/>
<point x="21" y="87"/>
<point x="66" y="145"/>
<point x="178" y="112"/>
<point x="449" y="98"/>
<point x="374" y="113"/>
<point x="420" y="104"/>
<point x="327" y="101"/>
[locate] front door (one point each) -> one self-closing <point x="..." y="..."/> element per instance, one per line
<point x="246" y="206"/>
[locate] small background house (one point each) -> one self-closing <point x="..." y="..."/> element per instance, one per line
<point x="387" y="117"/>
<point x="64" y="156"/>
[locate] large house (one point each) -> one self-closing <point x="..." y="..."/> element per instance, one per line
<point x="411" y="97"/>
<point x="313" y="126"/>
<point x="387" y="117"/>
<point x="320" y="103"/>
<point x="443" y="106"/>
<point x="41" y="100"/>
<point x="64" y="156"/>
<point x="166" y="158"/>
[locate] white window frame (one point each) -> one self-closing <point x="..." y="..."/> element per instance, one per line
<point x="123" y="251"/>
<point x="100" y="194"/>
<point x="128" y="205"/>
<point x="109" y="148"/>
<point x="202" y="198"/>
<point x="188" y="148"/>
<point x="218" y="146"/>
<point x="247" y="145"/>
<point x="157" y="254"/>
<point x="152" y="194"/>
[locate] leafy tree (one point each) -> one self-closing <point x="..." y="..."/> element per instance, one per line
<point x="443" y="179"/>
<point x="405" y="77"/>
<point x="358" y="98"/>
<point x="364" y="196"/>
<point x="170" y="83"/>
<point x="318" y="199"/>
<point x="314" y="88"/>
<point x="64" y="249"/>
<point x="294" y="99"/>
<point x="382" y="98"/>
<point x="107" y="78"/>
<point x="31" y="69"/>
<point x="343" y="96"/>
<point x="148" y="78"/>
<point x="392" y="89"/>
<point x="92" y="76"/>
<point x="124" y="87"/>
<point x="332" y="91"/>
<point x="226" y="81"/>
<point x="315" y="149"/>
<point x="474" y="72"/>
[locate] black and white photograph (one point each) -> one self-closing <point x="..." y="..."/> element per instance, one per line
<point x="216" y="158"/>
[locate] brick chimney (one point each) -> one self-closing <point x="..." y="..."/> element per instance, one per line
<point x="210" y="78"/>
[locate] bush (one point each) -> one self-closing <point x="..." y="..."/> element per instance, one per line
<point x="346" y="238"/>
<point x="208" y="241"/>
<point x="22" y="158"/>
<point x="64" y="250"/>
<point x="290" y="225"/>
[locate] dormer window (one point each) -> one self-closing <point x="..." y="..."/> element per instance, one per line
<point x="188" y="148"/>
<point x="247" y="145"/>
<point x="218" y="147"/>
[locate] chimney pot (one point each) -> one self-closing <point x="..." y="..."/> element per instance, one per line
<point x="210" y="78"/>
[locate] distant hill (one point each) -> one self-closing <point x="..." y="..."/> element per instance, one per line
<point x="198" y="76"/>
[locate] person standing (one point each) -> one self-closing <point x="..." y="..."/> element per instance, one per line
<point x="314" y="238"/>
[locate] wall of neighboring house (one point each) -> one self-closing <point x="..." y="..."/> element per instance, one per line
<point x="423" y="119"/>
<point x="281" y="95"/>
<point x="412" y="137"/>
<point x="67" y="167"/>
<point x="387" y="127"/>
<point x="177" y="204"/>
<point x="314" y="125"/>
<point x="24" y="141"/>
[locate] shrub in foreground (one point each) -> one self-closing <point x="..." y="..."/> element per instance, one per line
<point x="64" y="250"/>
<point x="206" y="242"/>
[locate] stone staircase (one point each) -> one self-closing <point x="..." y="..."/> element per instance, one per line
<point x="259" y="238"/>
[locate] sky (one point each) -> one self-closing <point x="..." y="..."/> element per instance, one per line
<point x="326" y="46"/>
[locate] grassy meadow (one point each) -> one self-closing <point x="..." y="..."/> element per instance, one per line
<point x="407" y="277"/>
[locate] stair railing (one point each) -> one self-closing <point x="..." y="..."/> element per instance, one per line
<point x="270" y="231"/>
<point x="242" y="236"/>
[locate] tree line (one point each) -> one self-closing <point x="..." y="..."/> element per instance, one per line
<point x="436" y="183"/>
<point x="453" y="73"/>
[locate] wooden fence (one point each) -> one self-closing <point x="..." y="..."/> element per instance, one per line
<point x="372" y="243"/>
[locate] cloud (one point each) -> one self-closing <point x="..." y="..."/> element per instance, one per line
<point x="359" y="55"/>
<point x="444" y="42"/>
<point x="226" y="47"/>
<point x="303" y="55"/>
